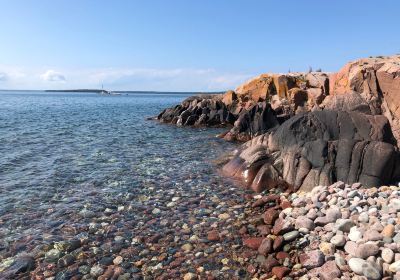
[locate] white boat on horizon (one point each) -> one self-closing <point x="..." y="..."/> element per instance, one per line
<point x="107" y="92"/>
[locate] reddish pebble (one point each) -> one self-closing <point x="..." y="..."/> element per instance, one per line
<point x="282" y="226"/>
<point x="312" y="259"/>
<point x="253" y="242"/>
<point x="270" y="216"/>
<point x="243" y="230"/>
<point x="154" y="238"/>
<point x="265" y="247"/>
<point x="282" y="255"/>
<point x="251" y="269"/>
<point x="264" y="229"/>
<point x="258" y="203"/>
<point x="285" y="204"/>
<point x="271" y="197"/>
<point x="248" y="254"/>
<point x="269" y="263"/>
<point x="213" y="235"/>
<point x="330" y="271"/>
<point x="277" y="242"/>
<point x="280" y="271"/>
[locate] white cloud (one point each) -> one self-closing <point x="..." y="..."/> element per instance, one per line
<point x="53" y="76"/>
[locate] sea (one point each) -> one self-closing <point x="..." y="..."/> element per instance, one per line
<point x="62" y="153"/>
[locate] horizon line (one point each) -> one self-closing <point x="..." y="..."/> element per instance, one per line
<point x="118" y="91"/>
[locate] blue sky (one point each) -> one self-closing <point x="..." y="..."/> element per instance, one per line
<point x="184" y="45"/>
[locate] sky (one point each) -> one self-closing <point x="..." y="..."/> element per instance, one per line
<point x="184" y="45"/>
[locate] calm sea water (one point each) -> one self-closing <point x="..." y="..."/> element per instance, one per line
<point x="62" y="151"/>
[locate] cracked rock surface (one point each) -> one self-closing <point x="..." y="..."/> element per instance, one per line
<point x="319" y="148"/>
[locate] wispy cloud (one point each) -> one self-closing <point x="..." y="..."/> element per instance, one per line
<point x="112" y="75"/>
<point x="53" y="76"/>
<point x="173" y="79"/>
<point x="168" y="79"/>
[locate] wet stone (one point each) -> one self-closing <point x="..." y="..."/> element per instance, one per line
<point x="53" y="255"/>
<point x="66" y="260"/>
<point x="253" y="242"/>
<point x="265" y="247"/>
<point x="189" y="276"/>
<point x="280" y="271"/>
<point x="269" y="263"/>
<point x="187" y="247"/>
<point x="21" y="264"/>
<point x="84" y="269"/>
<point x="106" y="261"/>
<point x="96" y="271"/>
<point x="278" y="241"/>
<point x="270" y="216"/>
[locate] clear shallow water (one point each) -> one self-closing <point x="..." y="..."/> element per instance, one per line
<point x="61" y="152"/>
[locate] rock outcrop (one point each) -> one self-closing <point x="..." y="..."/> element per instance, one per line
<point x="377" y="80"/>
<point x="246" y="119"/>
<point x="257" y="120"/>
<point x="265" y="86"/>
<point x="307" y="129"/>
<point x="255" y="107"/>
<point x="199" y="110"/>
<point x="319" y="148"/>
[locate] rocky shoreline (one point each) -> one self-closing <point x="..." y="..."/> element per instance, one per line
<point x="329" y="142"/>
<point x="318" y="165"/>
<point x="340" y="231"/>
<point x="333" y="232"/>
<point x="308" y="129"/>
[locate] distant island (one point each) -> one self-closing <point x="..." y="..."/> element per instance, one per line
<point x="101" y="91"/>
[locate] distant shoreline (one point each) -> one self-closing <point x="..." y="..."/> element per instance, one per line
<point x="117" y="91"/>
<point x="135" y="91"/>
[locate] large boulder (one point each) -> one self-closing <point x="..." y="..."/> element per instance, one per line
<point x="377" y="80"/>
<point x="257" y="120"/>
<point x="201" y="110"/>
<point x="229" y="97"/>
<point x="263" y="87"/>
<point x="318" y="80"/>
<point x="257" y="89"/>
<point x="318" y="148"/>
